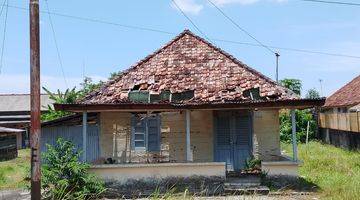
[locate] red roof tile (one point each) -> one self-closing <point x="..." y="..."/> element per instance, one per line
<point x="189" y="62"/>
<point x="348" y="95"/>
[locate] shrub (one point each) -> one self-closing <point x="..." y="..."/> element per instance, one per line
<point x="302" y="118"/>
<point x="65" y="177"/>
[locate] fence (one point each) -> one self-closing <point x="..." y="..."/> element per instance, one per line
<point x="73" y="133"/>
<point x="341" y="121"/>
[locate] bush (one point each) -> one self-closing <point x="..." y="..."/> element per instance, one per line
<point x="65" y="177"/>
<point x="302" y="118"/>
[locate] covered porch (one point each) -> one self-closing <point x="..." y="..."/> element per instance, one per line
<point x="189" y="140"/>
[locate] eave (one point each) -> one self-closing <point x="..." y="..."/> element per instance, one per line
<point x="134" y="107"/>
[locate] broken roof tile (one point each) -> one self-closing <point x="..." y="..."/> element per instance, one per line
<point x="189" y="62"/>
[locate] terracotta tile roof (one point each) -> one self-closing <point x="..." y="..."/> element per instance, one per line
<point x="190" y="63"/>
<point x="348" y="95"/>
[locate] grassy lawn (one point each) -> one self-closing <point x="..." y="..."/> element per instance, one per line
<point x="335" y="171"/>
<point x="13" y="172"/>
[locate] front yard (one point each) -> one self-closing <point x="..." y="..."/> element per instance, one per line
<point x="13" y="173"/>
<point x="333" y="171"/>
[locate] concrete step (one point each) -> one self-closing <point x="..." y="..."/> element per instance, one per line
<point x="247" y="190"/>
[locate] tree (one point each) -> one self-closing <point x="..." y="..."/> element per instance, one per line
<point x="88" y="86"/>
<point x="312" y="94"/>
<point x="302" y="118"/>
<point x="69" y="96"/>
<point x="65" y="177"/>
<point x="292" y="84"/>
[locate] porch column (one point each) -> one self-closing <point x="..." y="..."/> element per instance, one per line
<point x="293" y="134"/>
<point x="84" y="127"/>
<point x="189" y="156"/>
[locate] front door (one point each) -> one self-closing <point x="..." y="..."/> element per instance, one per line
<point x="232" y="138"/>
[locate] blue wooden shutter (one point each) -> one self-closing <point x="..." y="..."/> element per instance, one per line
<point x="153" y="130"/>
<point x="138" y="129"/>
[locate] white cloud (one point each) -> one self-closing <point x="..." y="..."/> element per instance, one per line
<point x="188" y="6"/>
<point x="194" y="6"/>
<point x="20" y="83"/>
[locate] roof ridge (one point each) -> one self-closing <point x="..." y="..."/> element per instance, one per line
<point x="337" y="92"/>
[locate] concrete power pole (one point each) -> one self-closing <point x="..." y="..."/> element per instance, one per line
<point x="277" y="67"/>
<point x="35" y="100"/>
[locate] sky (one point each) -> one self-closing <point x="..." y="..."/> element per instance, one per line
<point x="95" y="50"/>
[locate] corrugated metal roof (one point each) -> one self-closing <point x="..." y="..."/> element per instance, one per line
<point x="10" y="130"/>
<point x="21" y="102"/>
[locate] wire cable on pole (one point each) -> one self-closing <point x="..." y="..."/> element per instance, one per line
<point x="56" y="43"/>
<point x="239" y="27"/>
<point x="189" y="19"/>
<point x="4" y="34"/>
<point x="173" y="33"/>
<point x="334" y="2"/>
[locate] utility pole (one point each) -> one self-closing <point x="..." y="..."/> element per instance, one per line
<point x="35" y="100"/>
<point x="321" y="88"/>
<point x="277" y="66"/>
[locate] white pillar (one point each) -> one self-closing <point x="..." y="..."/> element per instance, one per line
<point x="84" y="133"/>
<point x="189" y="156"/>
<point x="293" y="134"/>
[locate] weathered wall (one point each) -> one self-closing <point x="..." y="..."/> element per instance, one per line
<point x="173" y="143"/>
<point x="266" y="135"/>
<point x="123" y="173"/>
<point x="343" y="139"/>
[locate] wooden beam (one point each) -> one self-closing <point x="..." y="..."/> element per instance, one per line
<point x="293" y="134"/>
<point x="84" y="133"/>
<point x="189" y="156"/>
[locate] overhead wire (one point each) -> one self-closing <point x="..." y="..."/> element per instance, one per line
<point x="189" y="19"/>
<point x="333" y="2"/>
<point x="56" y="43"/>
<point x="240" y="28"/>
<point x="173" y="33"/>
<point x="4" y="33"/>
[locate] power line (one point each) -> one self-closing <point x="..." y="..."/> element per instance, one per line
<point x="239" y="27"/>
<point x="56" y="43"/>
<point x="4" y="33"/>
<point x="334" y="2"/>
<point x="189" y="19"/>
<point x="173" y="33"/>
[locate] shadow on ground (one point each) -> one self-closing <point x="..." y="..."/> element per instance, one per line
<point x="284" y="183"/>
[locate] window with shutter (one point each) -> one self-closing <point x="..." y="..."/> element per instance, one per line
<point x="145" y="132"/>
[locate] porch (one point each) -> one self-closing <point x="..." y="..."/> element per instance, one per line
<point x="185" y="143"/>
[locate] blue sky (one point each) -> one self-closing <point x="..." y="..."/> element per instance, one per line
<point x="97" y="49"/>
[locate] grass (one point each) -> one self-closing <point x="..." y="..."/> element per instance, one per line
<point x="13" y="173"/>
<point x="335" y="171"/>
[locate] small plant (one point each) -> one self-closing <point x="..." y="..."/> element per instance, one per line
<point x="65" y="177"/>
<point x="252" y="164"/>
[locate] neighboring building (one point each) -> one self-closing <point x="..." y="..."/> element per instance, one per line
<point x="15" y="111"/>
<point x="188" y="109"/>
<point x="340" y="118"/>
<point x="10" y="142"/>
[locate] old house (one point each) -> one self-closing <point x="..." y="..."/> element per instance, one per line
<point x="10" y="142"/>
<point x="188" y="109"/>
<point x="340" y="118"/>
<point x="15" y="113"/>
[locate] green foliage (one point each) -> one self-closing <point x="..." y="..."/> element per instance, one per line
<point x="334" y="170"/>
<point x="65" y="177"/>
<point x="252" y="163"/>
<point x="69" y="96"/>
<point x="88" y="86"/>
<point x="14" y="173"/>
<point x="302" y="118"/>
<point x="312" y="94"/>
<point x="292" y="84"/>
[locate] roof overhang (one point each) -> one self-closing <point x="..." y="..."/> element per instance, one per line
<point x="293" y="103"/>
